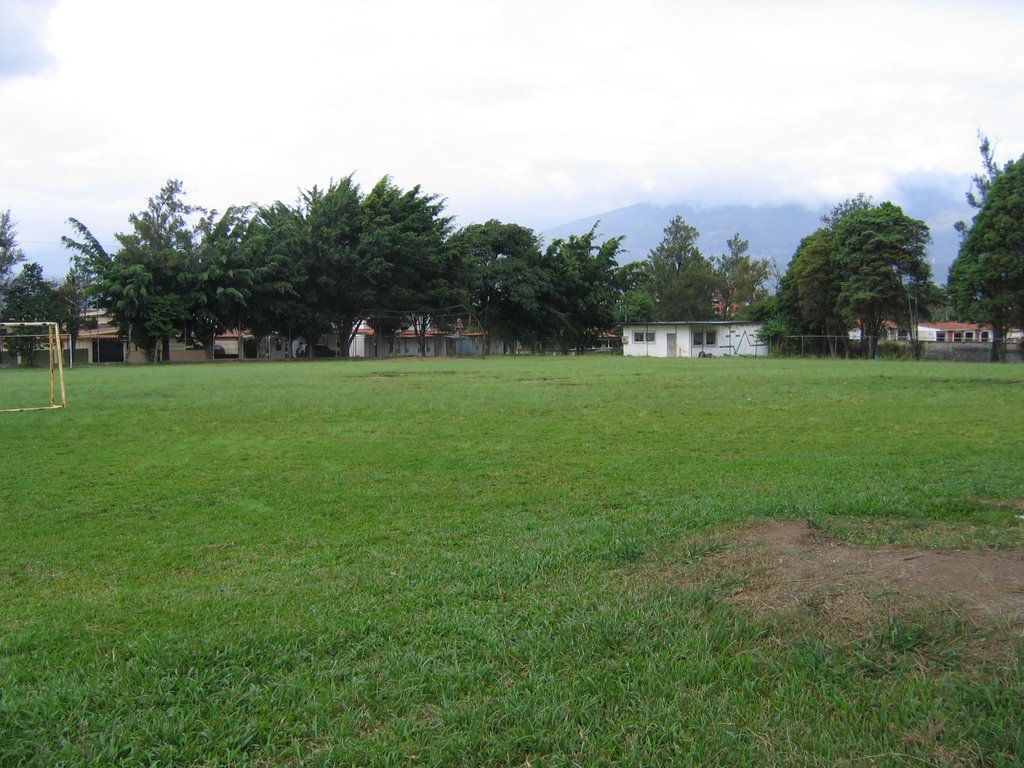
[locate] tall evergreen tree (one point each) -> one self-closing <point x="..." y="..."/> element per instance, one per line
<point x="10" y="253"/>
<point x="743" y="279"/>
<point x="683" y="282"/>
<point x="981" y="182"/>
<point x="986" y="282"/>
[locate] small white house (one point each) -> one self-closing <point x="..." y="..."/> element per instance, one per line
<point x="693" y="338"/>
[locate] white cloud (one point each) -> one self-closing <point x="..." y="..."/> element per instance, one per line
<point x="531" y="111"/>
<point x="22" y="23"/>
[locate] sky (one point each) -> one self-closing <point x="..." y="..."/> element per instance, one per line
<point x="537" y="112"/>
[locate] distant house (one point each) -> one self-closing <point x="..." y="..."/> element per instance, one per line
<point x="104" y="342"/>
<point x="280" y="347"/>
<point x="367" y="343"/>
<point x="450" y="343"/>
<point x="693" y="338"/>
<point x="954" y="332"/>
<point x="101" y="341"/>
<point x="948" y="332"/>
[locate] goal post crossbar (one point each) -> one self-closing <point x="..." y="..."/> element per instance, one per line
<point x="55" y="357"/>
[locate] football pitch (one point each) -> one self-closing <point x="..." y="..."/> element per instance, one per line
<point x="535" y="561"/>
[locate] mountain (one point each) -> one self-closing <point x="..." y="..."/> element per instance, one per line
<point x="774" y="232"/>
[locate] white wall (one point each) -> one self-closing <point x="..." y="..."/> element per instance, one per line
<point x="738" y="338"/>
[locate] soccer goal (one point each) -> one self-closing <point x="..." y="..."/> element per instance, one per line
<point x="36" y="343"/>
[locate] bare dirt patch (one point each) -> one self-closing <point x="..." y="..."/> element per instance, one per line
<point x="781" y="565"/>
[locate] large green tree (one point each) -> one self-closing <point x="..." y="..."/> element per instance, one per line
<point x="880" y="254"/>
<point x="405" y="255"/>
<point x="864" y="266"/>
<point x="986" y="282"/>
<point x="278" y="252"/>
<point x="683" y="282"/>
<point x="337" y="225"/>
<point x="506" y="279"/>
<point x="337" y="258"/>
<point x="219" y="280"/>
<point x="149" y="285"/>
<point x="583" y="289"/>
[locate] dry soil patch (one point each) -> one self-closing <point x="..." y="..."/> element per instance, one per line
<point x="788" y="564"/>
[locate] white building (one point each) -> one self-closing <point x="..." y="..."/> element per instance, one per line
<point x="693" y="338"/>
<point x="954" y="332"/>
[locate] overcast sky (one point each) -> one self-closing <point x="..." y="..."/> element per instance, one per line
<point x="532" y="111"/>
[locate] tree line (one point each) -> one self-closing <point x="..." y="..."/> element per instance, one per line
<point x="339" y="258"/>
<point x="866" y="266"/>
<point x="335" y="259"/>
<point x="28" y="295"/>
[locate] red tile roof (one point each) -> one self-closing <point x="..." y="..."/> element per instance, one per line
<point x="946" y="325"/>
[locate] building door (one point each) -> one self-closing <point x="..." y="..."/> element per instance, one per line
<point x="671" y="344"/>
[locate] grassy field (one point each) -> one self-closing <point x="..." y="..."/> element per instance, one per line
<point x="437" y="563"/>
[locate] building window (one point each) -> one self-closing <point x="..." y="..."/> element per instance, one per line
<point x="958" y="335"/>
<point x="984" y="336"/>
<point x="698" y="339"/>
<point x="641" y="337"/>
<point x="969" y="336"/>
<point x="710" y="338"/>
<point x="940" y="335"/>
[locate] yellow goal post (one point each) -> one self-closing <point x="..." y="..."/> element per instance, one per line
<point x="49" y="334"/>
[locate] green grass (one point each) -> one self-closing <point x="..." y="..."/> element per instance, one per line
<point x="438" y="563"/>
